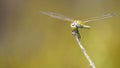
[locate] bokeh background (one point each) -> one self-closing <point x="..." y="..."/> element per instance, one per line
<point x="29" y="39"/>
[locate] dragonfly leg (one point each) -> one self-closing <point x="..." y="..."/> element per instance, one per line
<point x="76" y="33"/>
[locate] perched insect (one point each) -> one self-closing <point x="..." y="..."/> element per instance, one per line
<point x="75" y="24"/>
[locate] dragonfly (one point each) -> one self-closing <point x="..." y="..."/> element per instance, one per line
<point x="76" y="24"/>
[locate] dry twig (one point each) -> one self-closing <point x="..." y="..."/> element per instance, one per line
<point x="84" y="51"/>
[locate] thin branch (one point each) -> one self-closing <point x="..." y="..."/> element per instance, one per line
<point x="84" y="51"/>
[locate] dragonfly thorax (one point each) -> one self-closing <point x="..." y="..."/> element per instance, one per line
<point x="78" y="24"/>
<point x="75" y="25"/>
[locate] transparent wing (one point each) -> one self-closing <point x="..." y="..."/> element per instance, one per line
<point x="99" y="17"/>
<point x="58" y="16"/>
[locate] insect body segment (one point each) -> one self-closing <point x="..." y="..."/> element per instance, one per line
<point x="79" y="24"/>
<point x="75" y="31"/>
<point x="74" y="26"/>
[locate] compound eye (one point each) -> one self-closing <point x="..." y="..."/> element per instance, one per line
<point x="72" y="24"/>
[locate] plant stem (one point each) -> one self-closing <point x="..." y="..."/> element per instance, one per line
<point x="84" y="51"/>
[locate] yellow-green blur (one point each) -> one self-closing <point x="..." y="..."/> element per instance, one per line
<point x="29" y="39"/>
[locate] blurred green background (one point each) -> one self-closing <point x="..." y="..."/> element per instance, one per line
<point x="29" y="39"/>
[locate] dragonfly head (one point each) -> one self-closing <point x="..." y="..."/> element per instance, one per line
<point x="73" y="26"/>
<point x="78" y="23"/>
